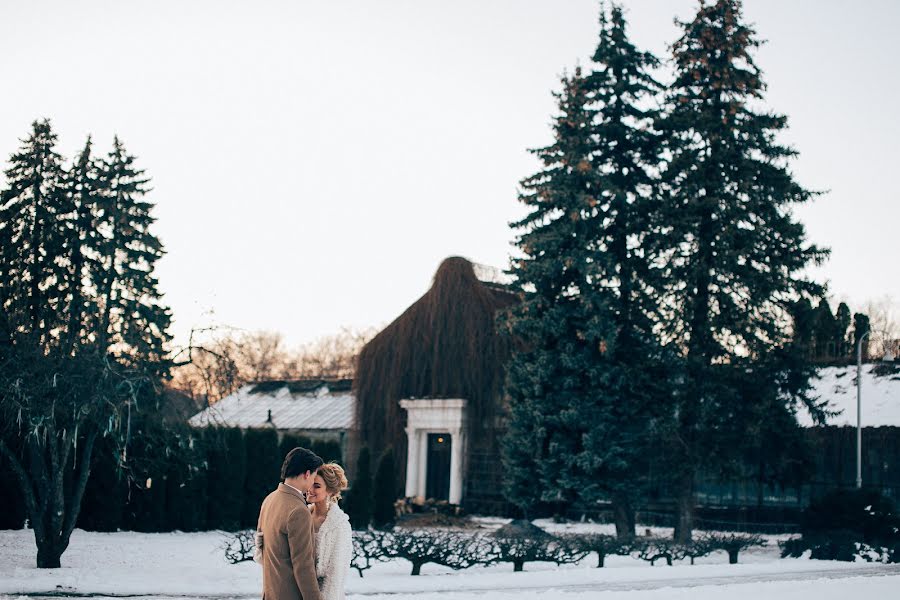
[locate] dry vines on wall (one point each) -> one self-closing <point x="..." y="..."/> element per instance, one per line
<point x="443" y="346"/>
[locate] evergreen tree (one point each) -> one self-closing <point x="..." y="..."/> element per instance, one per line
<point x="82" y="194"/>
<point x="804" y="327"/>
<point x="63" y="383"/>
<point x="383" y="498"/>
<point x="860" y="328"/>
<point x="843" y="320"/>
<point x="627" y="400"/>
<point x="33" y="215"/>
<point x="735" y="253"/>
<point x="358" y="504"/>
<point x="563" y="334"/>
<point x="826" y="327"/>
<point x="130" y="311"/>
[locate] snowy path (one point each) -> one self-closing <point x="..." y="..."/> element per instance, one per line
<point x="890" y="572"/>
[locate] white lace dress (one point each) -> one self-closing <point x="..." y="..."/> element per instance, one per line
<point x="334" y="549"/>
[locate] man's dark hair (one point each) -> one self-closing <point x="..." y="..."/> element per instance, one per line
<point x="298" y="461"/>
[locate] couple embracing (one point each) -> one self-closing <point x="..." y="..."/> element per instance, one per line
<point x="303" y="537"/>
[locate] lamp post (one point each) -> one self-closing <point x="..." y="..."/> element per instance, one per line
<point x="859" y="408"/>
<point x="888" y="357"/>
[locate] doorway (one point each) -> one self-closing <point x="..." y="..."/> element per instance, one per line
<point x="437" y="477"/>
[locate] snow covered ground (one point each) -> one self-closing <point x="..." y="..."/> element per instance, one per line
<point x="182" y="565"/>
<point x="837" y="385"/>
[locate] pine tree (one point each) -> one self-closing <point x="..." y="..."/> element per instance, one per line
<point x="627" y="400"/>
<point x="861" y="327"/>
<point x="130" y="311"/>
<point x="843" y="320"/>
<point x="82" y="194"/>
<point x="562" y="335"/>
<point x="825" y="331"/>
<point x="735" y="253"/>
<point x="383" y="498"/>
<point x="358" y="504"/>
<point x="33" y="217"/>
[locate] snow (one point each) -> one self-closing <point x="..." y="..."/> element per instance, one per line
<point x="321" y="409"/>
<point x="837" y="385"/>
<point x="192" y="565"/>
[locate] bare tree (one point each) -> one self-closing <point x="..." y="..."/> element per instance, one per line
<point x="235" y="358"/>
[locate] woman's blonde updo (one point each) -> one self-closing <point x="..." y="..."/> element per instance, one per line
<point x="334" y="478"/>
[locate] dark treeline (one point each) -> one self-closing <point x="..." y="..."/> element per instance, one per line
<point x="176" y="478"/>
<point x="829" y="337"/>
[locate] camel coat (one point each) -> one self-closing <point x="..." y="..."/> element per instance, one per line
<point x="289" y="549"/>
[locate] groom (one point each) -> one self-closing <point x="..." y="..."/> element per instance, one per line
<point x="289" y="543"/>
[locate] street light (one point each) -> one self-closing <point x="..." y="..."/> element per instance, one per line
<point x="888" y="357"/>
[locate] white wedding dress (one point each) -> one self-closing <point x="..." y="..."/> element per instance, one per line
<point x="334" y="550"/>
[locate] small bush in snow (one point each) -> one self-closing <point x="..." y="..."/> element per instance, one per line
<point x="654" y="549"/>
<point x="732" y="543"/>
<point x="368" y="548"/>
<point x="240" y="546"/>
<point x="521" y="541"/>
<point x="604" y="545"/>
<point x="448" y="548"/>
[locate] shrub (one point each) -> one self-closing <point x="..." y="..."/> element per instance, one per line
<point x="448" y="548"/>
<point x="383" y="512"/>
<point x="847" y="524"/>
<point x="263" y="472"/>
<point x="226" y="461"/>
<point x="654" y="549"/>
<point x="732" y="543"/>
<point x="604" y="545"/>
<point x="329" y="450"/>
<point x="358" y="504"/>
<point x="368" y="548"/>
<point x="103" y="504"/>
<point x="521" y="541"/>
<point x="239" y="547"/>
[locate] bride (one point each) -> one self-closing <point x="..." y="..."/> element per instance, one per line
<point x="334" y="547"/>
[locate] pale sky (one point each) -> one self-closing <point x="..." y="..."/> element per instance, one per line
<point x="313" y="162"/>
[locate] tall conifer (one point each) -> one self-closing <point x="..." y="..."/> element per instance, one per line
<point x="628" y="401"/>
<point x="33" y="216"/>
<point x="130" y="310"/>
<point x="563" y="334"/>
<point x="735" y="252"/>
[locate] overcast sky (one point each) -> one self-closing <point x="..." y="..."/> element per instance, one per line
<point x="313" y="162"/>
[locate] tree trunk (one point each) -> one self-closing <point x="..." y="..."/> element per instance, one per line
<point x="48" y="555"/>
<point x="684" y="505"/>
<point x="732" y="557"/>
<point x="624" y="518"/>
<point x="518" y="565"/>
<point x="416" y="570"/>
<point x="601" y="559"/>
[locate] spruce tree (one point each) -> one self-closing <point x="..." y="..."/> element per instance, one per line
<point x="843" y="320"/>
<point x="861" y="327"/>
<point x="735" y="252"/>
<point x="383" y="497"/>
<point x="130" y="311"/>
<point x="81" y="188"/>
<point x="627" y="399"/>
<point x="562" y="335"/>
<point x="825" y="333"/>
<point x="33" y="217"/>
